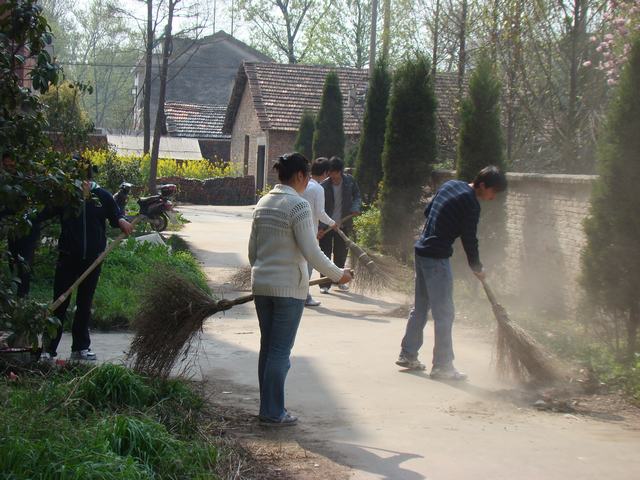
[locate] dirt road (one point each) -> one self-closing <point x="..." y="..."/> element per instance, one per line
<point x="364" y="413"/>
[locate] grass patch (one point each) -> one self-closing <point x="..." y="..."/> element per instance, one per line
<point x="124" y="270"/>
<point x="100" y="423"/>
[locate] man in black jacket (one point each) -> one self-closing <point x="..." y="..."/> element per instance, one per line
<point x="83" y="238"/>
<point x="341" y="199"/>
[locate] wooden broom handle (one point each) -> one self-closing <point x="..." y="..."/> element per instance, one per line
<point x="225" y="304"/>
<point x="60" y="300"/>
<point x="342" y="220"/>
<point x="489" y="292"/>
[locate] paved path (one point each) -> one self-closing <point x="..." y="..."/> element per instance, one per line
<point x="358" y="408"/>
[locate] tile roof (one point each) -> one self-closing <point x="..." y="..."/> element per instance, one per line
<point x="281" y="92"/>
<point x="192" y="120"/>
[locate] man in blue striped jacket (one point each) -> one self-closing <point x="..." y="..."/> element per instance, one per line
<point x="453" y="212"/>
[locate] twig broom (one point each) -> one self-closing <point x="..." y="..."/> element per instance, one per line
<point x="517" y="352"/>
<point x="172" y="312"/>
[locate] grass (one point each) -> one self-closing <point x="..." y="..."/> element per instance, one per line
<point x="101" y="423"/>
<point x="123" y="272"/>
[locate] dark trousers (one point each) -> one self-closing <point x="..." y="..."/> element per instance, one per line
<point x="68" y="269"/>
<point x="333" y="244"/>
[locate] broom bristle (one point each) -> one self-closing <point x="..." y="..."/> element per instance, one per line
<point x="377" y="273"/>
<point x="171" y="315"/>
<point x="519" y="355"/>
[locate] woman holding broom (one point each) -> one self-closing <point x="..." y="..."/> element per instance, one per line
<point x="283" y="240"/>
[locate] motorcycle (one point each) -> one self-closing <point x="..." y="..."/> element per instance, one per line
<point x="155" y="207"/>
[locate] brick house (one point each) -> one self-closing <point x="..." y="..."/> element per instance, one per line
<point x="200" y="122"/>
<point x="266" y="105"/>
<point x="201" y="71"/>
<point x="268" y="100"/>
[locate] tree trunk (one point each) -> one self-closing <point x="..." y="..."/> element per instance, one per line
<point x="372" y="37"/>
<point x="577" y="31"/>
<point x="632" y="330"/>
<point x="386" y="30"/>
<point x="515" y="59"/>
<point x="157" y="132"/>
<point x="436" y="38"/>
<point x="462" y="52"/>
<point x="148" y="66"/>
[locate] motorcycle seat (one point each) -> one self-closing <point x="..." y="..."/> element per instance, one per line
<point x="145" y="201"/>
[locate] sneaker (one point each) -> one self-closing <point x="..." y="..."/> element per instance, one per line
<point x="286" y="421"/>
<point x="411" y="364"/>
<point x="344" y="287"/>
<point x="46" y="358"/>
<point x="310" y="302"/>
<point x="451" y="373"/>
<point x="84" y="355"/>
<point x="324" y="290"/>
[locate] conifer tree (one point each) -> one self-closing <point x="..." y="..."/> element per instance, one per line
<point x="369" y="159"/>
<point x="409" y="151"/>
<point x="328" y="137"/>
<point x="480" y="144"/>
<point x="304" y="140"/>
<point x="611" y="259"/>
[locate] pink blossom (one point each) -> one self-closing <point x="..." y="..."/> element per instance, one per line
<point x="619" y="22"/>
<point x="587" y="63"/>
<point x="611" y="82"/>
<point x="593" y="39"/>
<point x="608" y="37"/>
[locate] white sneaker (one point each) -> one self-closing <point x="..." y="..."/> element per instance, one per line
<point x="410" y="364"/>
<point x="438" y="373"/>
<point x="311" y="302"/>
<point x="46" y="358"/>
<point x="324" y="290"/>
<point x="344" y="287"/>
<point x="84" y="355"/>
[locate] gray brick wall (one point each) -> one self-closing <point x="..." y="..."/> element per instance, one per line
<point x="545" y="238"/>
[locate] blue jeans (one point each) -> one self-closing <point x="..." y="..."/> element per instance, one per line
<point x="434" y="290"/>
<point x="279" y="318"/>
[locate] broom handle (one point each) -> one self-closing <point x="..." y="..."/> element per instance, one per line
<point x="249" y="298"/>
<point x="489" y="292"/>
<point x="60" y="300"/>
<point x="342" y="220"/>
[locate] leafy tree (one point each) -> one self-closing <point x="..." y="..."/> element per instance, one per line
<point x="65" y="115"/>
<point x="328" y="137"/>
<point x="284" y="29"/>
<point x="304" y="140"/>
<point x="369" y="160"/>
<point x="39" y="177"/>
<point x="409" y="151"/>
<point x="480" y="140"/>
<point x="611" y="259"/>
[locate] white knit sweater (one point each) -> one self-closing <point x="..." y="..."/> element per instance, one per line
<point x="283" y="239"/>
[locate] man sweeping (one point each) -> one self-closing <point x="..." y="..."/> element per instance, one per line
<point x="453" y="212"/>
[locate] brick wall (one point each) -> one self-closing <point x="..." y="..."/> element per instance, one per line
<point x="544" y="238"/>
<point x="214" y="191"/>
<point x="246" y="123"/>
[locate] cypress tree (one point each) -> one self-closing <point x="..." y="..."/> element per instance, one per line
<point x="304" y="140"/>
<point x="480" y="143"/>
<point x="611" y="259"/>
<point x="409" y="151"/>
<point x="328" y="137"/>
<point x="369" y="159"/>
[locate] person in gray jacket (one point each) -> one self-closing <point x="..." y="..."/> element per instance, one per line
<point x="341" y="199"/>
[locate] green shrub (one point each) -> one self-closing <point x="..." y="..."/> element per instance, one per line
<point x="367" y="228"/>
<point x="113" y="386"/>
<point x="123" y="272"/>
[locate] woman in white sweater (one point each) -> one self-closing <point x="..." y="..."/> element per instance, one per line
<point x="283" y="240"/>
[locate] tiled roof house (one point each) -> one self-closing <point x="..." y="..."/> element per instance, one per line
<point x="201" y="122"/>
<point x="268" y="100"/>
<point x="266" y="105"/>
<point x="201" y="72"/>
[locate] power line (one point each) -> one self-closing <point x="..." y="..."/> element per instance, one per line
<point x="120" y="65"/>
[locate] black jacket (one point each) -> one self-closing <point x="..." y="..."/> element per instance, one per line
<point x="84" y="234"/>
<point x="351" y="201"/>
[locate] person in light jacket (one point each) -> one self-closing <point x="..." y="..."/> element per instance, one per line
<point x="282" y="241"/>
